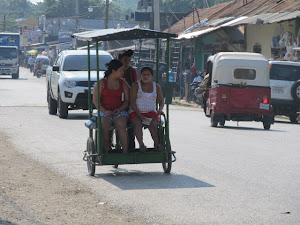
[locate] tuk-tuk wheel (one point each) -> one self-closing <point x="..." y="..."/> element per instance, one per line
<point x="167" y="166"/>
<point x="222" y="123"/>
<point x="213" y="121"/>
<point x="91" y="159"/>
<point x="267" y="126"/>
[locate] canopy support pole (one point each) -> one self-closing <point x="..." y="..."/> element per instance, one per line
<point x="89" y="84"/>
<point x="99" y="133"/>
<point x="167" y="91"/>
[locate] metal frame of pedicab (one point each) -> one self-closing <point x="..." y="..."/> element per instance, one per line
<point x="94" y="153"/>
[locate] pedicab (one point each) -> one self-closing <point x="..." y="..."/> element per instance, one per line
<point x="238" y="88"/>
<point x="94" y="154"/>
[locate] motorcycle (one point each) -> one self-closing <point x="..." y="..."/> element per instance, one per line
<point x="198" y="94"/>
<point x="194" y="85"/>
<point x="38" y="73"/>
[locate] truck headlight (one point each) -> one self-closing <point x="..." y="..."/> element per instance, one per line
<point x="69" y="83"/>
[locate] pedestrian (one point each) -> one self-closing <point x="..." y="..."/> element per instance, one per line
<point x="186" y="80"/>
<point x="130" y="74"/>
<point x="31" y="62"/>
<point x="114" y="101"/>
<point x="143" y="97"/>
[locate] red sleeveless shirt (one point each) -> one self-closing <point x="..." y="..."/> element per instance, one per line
<point x="111" y="99"/>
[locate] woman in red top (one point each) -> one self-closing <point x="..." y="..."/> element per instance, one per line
<point x="114" y="101"/>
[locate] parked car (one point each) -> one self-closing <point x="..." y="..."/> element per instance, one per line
<point x="238" y="88"/>
<point x="67" y="80"/>
<point x="285" y="84"/>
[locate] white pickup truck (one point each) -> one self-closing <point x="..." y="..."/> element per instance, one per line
<point x="67" y="80"/>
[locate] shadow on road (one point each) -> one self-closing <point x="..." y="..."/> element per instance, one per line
<point x="9" y="78"/>
<point x="78" y="116"/>
<point x="285" y="122"/>
<point x="250" y="128"/>
<point x="6" y="222"/>
<point x="137" y="180"/>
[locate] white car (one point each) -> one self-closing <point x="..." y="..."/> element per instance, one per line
<point x="67" y="80"/>
<point x="285" y="85"/>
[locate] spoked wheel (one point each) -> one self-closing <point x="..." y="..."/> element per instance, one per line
<point x="91" y="159"/>
<point x="167" y="166"/>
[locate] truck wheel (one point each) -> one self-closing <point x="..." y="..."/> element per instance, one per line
<point x="15" y="75"/>
<point x="295" y="91"/>
<point x="52" y="104"/>
<point x="267" y="126"/>
<point x="62" y="108"/>
<point x="293" y="118"/>
<point x="213" y="122"/>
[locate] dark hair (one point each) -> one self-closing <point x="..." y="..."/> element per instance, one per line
<point x="112" y="65"/>
<point x="147" y="68"/>
<point x="128" y="53"/>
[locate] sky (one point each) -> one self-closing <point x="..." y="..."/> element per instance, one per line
<point x="35" y="1"/>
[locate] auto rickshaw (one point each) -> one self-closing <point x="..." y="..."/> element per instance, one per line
<point x="238" y="88"/>
<point x="94" y="154"/>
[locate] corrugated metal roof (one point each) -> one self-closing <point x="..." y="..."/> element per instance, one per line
<point x="238" y="8"/>
<point x="268" y="18"/>
<point x="206" y="31"/>
<point x="120" y="34"/>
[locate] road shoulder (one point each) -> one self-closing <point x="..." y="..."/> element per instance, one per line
<point x="32" y="194"/>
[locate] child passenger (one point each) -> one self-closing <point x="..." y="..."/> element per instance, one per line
<point x="113" y="109"/>
<point x="143" y="96"/>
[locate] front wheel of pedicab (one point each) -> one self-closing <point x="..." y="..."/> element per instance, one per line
<point x="91" y="160"/>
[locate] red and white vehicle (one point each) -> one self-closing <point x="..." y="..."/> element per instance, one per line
<point x="238" y="88"/>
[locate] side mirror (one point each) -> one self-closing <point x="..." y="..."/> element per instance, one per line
<point x="55" y="68"/>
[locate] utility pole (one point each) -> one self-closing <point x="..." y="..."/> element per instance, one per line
<point x="4" y="23"/>
<point x="156" y="14"/>
<point x="77" y="16"/>
<point x="106" y="13"/>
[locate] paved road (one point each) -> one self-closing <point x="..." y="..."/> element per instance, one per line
<point x="239" y="174"/>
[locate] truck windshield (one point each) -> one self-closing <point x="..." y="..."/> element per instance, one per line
<point x="8" y="53"/>
<point x="80" y="62"/>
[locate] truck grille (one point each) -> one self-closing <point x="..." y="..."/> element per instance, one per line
<point x="85" y="83"/>
<point x="5" y="64"/>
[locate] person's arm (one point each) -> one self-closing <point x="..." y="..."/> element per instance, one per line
<point x="95" y="100"/>
<point x="133" y="94"/>
<point x="125" y="104"/>
<point x="160" y="99"/>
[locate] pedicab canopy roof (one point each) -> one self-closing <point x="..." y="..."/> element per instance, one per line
<point x="120" y="34"/>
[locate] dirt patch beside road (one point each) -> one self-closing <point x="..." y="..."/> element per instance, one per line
<point x="32" y="194"/>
